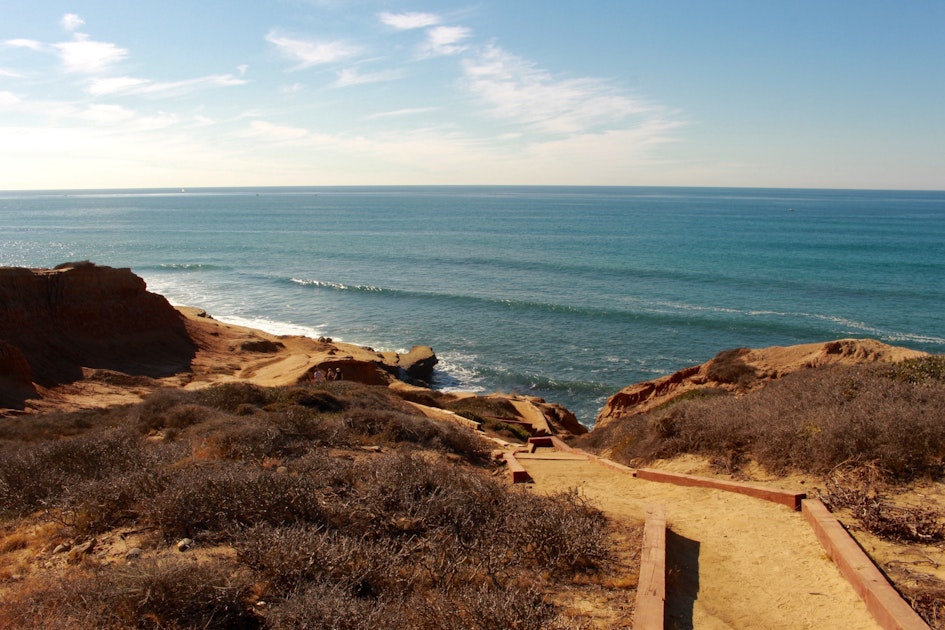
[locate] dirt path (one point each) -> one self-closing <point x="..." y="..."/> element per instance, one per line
<point x="733" y="561"/>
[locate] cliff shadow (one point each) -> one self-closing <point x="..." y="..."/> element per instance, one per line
<point x="682" y="580"/>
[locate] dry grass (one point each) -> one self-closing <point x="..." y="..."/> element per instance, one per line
<point x="327" y="535"/>
<point x="809" y="421"/>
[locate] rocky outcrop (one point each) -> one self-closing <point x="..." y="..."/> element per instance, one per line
<point x="744" y="369"/>
<point x="81" y="315"/>
<point x="418" y="363"/>
<point x="16" y="379"/>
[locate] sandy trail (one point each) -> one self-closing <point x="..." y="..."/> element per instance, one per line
<point x="733" y="561"/>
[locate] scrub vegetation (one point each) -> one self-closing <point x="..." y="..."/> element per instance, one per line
<point x="326" y="505"/>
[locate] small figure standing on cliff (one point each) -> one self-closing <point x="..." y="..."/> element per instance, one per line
<point x="331" y="374"/>
<point x="337" y="374"/>
<point x="317" y="375"/>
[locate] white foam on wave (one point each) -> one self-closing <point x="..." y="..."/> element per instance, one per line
<point x="326" y="284"/>
<point x="274" y="327"/>
<point x="455" y="373"/>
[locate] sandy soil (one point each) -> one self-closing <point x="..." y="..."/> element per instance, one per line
<point x="733" y="561"/>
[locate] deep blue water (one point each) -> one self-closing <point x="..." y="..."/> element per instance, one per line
<point x="565" y="293"/>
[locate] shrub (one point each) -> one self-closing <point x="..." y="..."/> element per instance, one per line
<point x="211" y="501"/>
<point x="811" y="420"/>
<point x="729" y="367"/>
<point x="43" y="474"/>
<point x="167" y="594"/>
<point x="930" y="368"/>
<point x="230" y="397"/>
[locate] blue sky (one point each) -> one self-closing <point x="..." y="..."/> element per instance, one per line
<point x="828" y="94"/>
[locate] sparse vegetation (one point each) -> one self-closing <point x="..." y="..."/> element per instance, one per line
<point x="809" y="421"/>
<point x="865" y="430"/>
<point x="314" y="506"/>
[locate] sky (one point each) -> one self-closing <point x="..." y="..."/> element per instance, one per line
<point x="754" y="93"/>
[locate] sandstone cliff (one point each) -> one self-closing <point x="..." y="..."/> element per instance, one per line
<point x="744" y="369"/>
<point x="55" y="322"/>
<point x="88" y="335"/>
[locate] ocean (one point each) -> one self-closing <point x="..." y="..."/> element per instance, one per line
<point x="567" y="293"/>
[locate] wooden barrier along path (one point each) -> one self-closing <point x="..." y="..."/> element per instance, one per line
<point x="886" y="606"/>
<point x="790" y="499"/>
<point x="651" y="589"/>
<point x="882" y="600"/>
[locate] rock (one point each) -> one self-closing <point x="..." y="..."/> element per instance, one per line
<point x="418" y="363"/>
<point x="77" y="553"/>
<point x="62" y="547"/>
<point x="54" y="322"/>
<point x="562" y="420"/>
<point x="134" y="553"/>
<point x="184" y="544"/>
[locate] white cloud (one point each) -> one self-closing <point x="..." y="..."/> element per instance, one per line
<point x="71" y="21"/>
<point x="411" y="111"/>
<point x="32" y="44"/>
<point x="89" y="57"/>
<point x="8" y="99"/>
<point x="106" y="114"/>
<point x="517" y="90"/>
<point x="203" y="121"/>
<point x="312" y="53"/>
<point x="407" y="21"/>
<point x="114" y="85"/>
<point x="350" y="76"/>
<point x="273" y="132"/>
<point x="12" y="74"/>
<point x="443" y="40"/>
<point x="133" y="85"/>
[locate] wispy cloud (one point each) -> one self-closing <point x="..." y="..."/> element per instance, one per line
<point x="12" y="74"/>
<point x="444" y="40"/>
<point x="115" y="85"/>
<point x="351" y="76"/>
<point x="31" y="44"/>
<point x="517" y="90"/>
<point x="8" y="99"/>
<point x="409" y="111"/>
<point x="407" y="21"/>
<point x="273" y="132"/>
<point x="71" y="22"/>
<point x="106" y="114"/>
<point x="134" y="85"/>
<point x="86" y="56"/>
<point x="312" y="53"/>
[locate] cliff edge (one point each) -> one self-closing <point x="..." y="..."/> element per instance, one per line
<point x="85" y="335"/>
<point x="745" y="369"/>
<point x="55" y="322"/>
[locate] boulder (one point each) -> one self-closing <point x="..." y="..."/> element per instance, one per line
<point x="418" y="363"/>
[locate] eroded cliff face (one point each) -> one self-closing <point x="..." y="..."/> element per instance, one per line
<point x="744" y="369"/>
<point x="55" y="322"/>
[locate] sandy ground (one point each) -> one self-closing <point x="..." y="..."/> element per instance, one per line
<point x="733" y="561"/>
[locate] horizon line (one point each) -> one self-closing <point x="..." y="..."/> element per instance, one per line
<point x="183" y="190"/>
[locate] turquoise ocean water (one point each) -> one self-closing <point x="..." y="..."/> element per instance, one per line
<point x="565" y="293"/>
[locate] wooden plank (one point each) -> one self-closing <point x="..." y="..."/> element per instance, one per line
<point x="884" y="603"/>
<point x="651" y="589"/>
<point x="790" y="499"/>
<point x="518" y="472"/>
